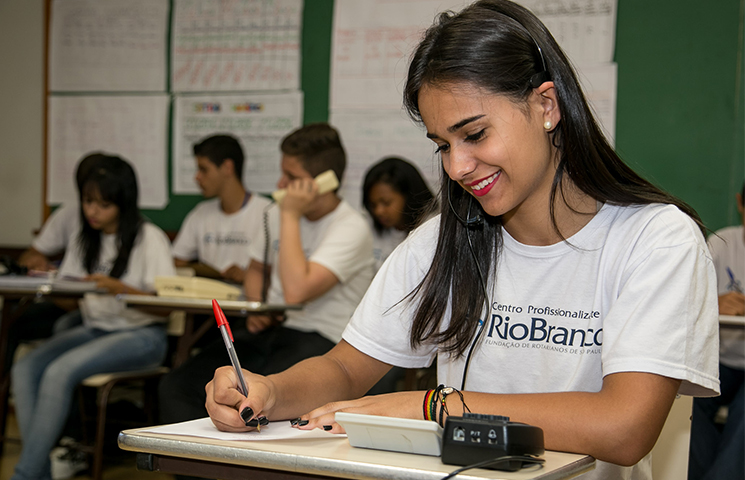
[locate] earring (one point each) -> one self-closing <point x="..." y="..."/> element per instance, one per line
<point x="548" y="125"/>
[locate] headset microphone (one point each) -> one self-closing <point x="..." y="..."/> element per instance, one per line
<point x="469" y="221"/>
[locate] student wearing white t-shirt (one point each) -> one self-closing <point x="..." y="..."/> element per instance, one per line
<point x="557" y="287"/>
<point x="716" y="451"/>
<point x="40" y="319"/>
<point x="397" y="199"/>
<point x="122" y="253"/>
<point x="320" y="256"/>
<point x="217" y="233"/>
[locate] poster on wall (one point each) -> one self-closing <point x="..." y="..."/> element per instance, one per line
<point x="239" y="45"/>
<point x="132" y="127"/>
<point x="259" y="121"/>
<point x="108" y="45"/>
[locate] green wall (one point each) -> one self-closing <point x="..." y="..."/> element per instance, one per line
<point x="680" y="100"/>
<point x="680" y="119"/>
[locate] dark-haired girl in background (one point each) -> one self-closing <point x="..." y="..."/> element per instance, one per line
<point x="122" y="253"/>
<point x="397" y="199"/>
<point x="556" y="287"/>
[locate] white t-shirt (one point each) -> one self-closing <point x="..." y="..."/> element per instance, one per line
<point x="632" y="291"/>
<point x="57" y="230"/>
<point x="221" y="240"/>
<point x="728" y="252"/>
<point x="341" y="242"/>
<point x="150" y="256"/>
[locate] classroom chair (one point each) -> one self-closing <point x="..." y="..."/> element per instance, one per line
<point x="104" y="384"/>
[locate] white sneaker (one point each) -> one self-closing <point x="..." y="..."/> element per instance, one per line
<point x="66" y="462"/>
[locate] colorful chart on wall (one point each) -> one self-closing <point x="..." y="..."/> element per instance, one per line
<point x="259" y="121"/>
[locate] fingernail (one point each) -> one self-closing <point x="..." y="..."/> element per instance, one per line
<point x="263" y="420"/>
<point x="246" y="414"/>
<point x="294" y="421"/>
<point x="327" y="427"/>
<point x="303" y="423"/>
<point x="252" y="423"/>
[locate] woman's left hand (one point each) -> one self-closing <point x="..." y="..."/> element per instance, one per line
<point x="399" y="404"/>
<point x="110" y="284"/>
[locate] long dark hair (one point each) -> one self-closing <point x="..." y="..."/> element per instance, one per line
<point x="405" y="179"/>
<point x="501" y="47"/>
<point x="114" y="180"/>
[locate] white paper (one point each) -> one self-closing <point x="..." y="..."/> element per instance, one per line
<point x="599" y="83"/>
<point x="371" y="135"/>
<point x="108" y="45"/>
<point x="259" y="121"/>
<point x="236" y="45"/>
<point x="372" y="42"/>
<point x="204" y="427"/>
<point x="133" y="127"/>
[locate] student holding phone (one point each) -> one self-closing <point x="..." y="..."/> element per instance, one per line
<point x="320" y="255"/>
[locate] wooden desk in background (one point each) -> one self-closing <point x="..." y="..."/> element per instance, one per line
<point x="315" y="458"/>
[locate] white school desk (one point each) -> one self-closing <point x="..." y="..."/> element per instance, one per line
<point x="316" y="458"/>
<point x="731" y="321"/>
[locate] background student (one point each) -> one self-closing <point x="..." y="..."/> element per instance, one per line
<point x="538" y="215"/>
<point x="61" y="224"/>
<point x="323" y="260"/>
<point x="717" y="451"/>
<point x="39" y="320"/>
<point x="123" y="253"/>
<point x="217" y="233"/>
<point x="397" y="199"/>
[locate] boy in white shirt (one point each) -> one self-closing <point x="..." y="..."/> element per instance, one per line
<point x="320" y="256"/>
<point x="217" y="233"/>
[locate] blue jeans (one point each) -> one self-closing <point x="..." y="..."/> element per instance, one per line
<point x="717" y="453"/>
<point x="44" y="381"/>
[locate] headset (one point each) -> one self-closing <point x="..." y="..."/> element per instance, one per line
<point x="470" y="223"/>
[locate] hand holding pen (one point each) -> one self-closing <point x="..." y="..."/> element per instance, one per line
<point x="227" y="336"/>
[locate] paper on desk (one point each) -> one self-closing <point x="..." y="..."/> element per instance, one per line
<point x="204" y="427"/>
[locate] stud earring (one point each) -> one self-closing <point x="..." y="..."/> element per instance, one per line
<point x="548" y="125"/>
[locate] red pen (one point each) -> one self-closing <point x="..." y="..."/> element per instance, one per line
<point x="227" y="336"/>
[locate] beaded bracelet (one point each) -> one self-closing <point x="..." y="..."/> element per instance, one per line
<point x="431" y="400"/>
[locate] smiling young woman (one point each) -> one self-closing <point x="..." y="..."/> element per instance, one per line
<point x="556" y="287"/>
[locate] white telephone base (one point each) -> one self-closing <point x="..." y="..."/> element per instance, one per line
<point x="196" y="287"/>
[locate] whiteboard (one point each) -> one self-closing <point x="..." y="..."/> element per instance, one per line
<point x="108" y="45"/>
<point x="133" y="127"/>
